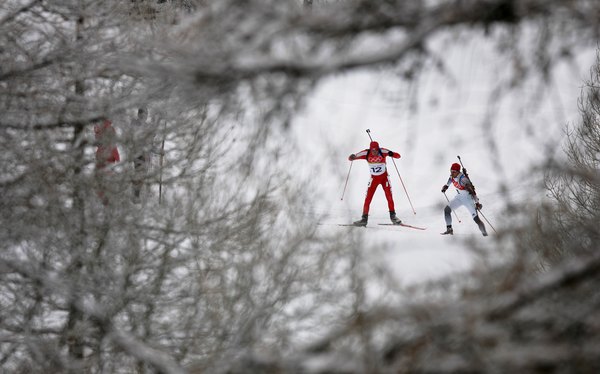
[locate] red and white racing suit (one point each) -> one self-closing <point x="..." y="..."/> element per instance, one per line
<point x="379" y="176"/>
<point x="463" y="196"/>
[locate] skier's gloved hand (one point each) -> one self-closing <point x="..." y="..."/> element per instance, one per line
<point x="444" y="188"/>
<point x="390" y="153"/>
<point x="352" y="157"/>
<point x="478" y="206"/>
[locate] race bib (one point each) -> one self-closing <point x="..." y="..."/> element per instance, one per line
<point x="377" y="169"/>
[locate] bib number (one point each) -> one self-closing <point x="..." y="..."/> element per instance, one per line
<point x="377" y="169"/>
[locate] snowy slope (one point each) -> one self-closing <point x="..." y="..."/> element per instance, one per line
<point x="450" y="120"/>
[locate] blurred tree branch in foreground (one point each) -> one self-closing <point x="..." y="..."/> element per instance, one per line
<point x="230" y="274"/>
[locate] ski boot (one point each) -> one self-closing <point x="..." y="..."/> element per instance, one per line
<point x="362" y="222"/>
<point x="448" y="231"/>
<point x="395" y="220"/>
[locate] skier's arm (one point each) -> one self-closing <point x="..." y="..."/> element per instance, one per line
<point x="445" y="187"/>
<point x="469" y="187"/>
<point x="466" y="183"/>
<point x="478" y="205"/>
<point x="362" y="155"/>
<point x="387" y="152"/>
<point x="471" y="190"/>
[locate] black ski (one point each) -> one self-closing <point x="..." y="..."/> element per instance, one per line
<point x="403" y="225"/>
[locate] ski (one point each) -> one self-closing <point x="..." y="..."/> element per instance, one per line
<point x="339" y="224"/>
<point x="371" y="226"/>
<point x="403" y="225"/>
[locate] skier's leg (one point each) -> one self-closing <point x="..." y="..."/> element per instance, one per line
<point x="370" y="192"/>
<point x="387" y="189"/>
<point x="467" y="202"/>
<point x="479" y="223"/>
<point x="452" y="205"/>
<point x="448" y="216"/>
<point x="448" y="219"/>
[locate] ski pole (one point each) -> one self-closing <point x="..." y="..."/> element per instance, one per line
<point x="369" y="133"/>
<point x="455" y="215"/>
<point x="403" y="186"/>
<point x="486" y="220"/>
<point x="347" y="177"/>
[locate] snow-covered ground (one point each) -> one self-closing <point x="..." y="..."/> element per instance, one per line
<point x="450" y="120"/>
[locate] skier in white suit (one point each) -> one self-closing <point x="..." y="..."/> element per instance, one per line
<point x="465" y="196"/>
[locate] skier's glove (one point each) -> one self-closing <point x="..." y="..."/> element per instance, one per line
<point x="478" y="206"/>
<point x="352" y="157"/>
<point x="390" y="153"/>
<point x="444" y="188"/>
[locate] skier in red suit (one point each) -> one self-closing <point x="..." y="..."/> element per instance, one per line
<point x="375" y="156"/>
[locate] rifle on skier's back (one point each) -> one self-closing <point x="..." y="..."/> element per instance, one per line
<point x="464" y="171"/>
